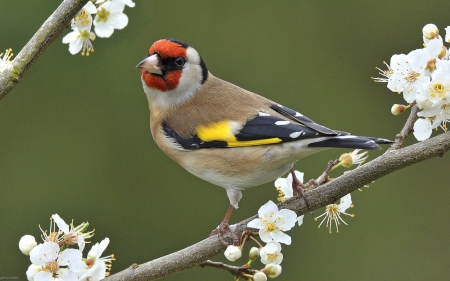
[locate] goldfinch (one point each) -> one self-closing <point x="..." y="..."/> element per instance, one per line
<point x="224" y="134"/>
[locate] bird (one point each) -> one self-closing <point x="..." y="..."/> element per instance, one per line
<point x="224" y="134"/>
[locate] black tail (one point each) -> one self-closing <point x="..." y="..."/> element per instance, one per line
<point x="349" y="141"/>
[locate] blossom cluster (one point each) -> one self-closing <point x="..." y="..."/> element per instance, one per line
<point x="423" y="76"/>
<point x="54" y="260"/>
<point x="108" y="16"/>
<point x="272" y="223"/>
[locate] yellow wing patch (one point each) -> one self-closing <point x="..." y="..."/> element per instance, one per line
<point x="223" y="131"/>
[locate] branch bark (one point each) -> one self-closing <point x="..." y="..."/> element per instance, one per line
<point x="392" y="160"/>
<point x="47" y="33"/>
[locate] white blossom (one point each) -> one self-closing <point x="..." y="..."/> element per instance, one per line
<point x="439" y="87"/>
<point x="110" y="16"/>
<point x="96" y="267"/>
<point x="273" y="222"/>
<point x="52" y="262"/>
<point x="408" y="74"/>
<point x="79" y="40"/>
<point x="83" y="19"/>
<point x="271" y="253"/>
<point x="334" y="212"/>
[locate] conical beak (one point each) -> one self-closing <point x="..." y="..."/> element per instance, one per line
<point x="151" y="64"/>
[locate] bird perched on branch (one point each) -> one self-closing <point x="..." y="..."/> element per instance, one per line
<point x="224" y="134"/>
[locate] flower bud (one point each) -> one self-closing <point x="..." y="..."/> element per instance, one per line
<point x="398" y="109"/>
<point x="27" y="243"/>
<point x="272" y="270"/>
<point x="232" y="253"/>
<point x="253" y="254"/>
<point x="430" y="31"/>
<point x="259" y="276"/>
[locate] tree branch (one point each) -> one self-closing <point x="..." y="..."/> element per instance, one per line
<point x="40" y="41"/>
<point x="392" y="160"/>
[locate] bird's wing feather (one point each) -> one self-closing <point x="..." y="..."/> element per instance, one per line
<point x="298" y="117"/>
<point x="263" y="129"/>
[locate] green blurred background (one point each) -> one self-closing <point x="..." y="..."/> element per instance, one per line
<point x="75" y="139"/>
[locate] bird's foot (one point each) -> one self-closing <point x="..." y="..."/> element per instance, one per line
<point x="225" y="231"/>
<point x="300" y="188"/>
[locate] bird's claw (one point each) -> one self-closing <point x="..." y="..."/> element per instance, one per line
<point x="224" y="232"/>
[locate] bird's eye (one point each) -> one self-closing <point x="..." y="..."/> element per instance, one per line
<point x="180" y="61"/>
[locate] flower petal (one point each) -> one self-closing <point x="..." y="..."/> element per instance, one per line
<point x="69" y="256"/>
<point x="286" y="219"/>
<point x="300" y="220"/>
<point x="346" y="202"/>
<point x="62" y="225"/>
<point x="75" y="46"/>
<point x="72" y="36"/>
<point x="96" y="272"/>
<point x="267" y="209"/>
<point x="43" y="276"/>
<point x="280" y="236"/>
<point x="67" y="275"/>
<point x="119" y="21"/>
<point x="43" y="253"/>
<point x="256" y="223"/>
<point x="103" y="29"/>
<point x="422" y="129"/>
<point x="265" y="236"/>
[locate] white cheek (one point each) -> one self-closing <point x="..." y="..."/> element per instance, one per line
<point x="190" y="81"/>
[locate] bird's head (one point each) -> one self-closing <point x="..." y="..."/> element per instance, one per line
<point x="172" y="72"/>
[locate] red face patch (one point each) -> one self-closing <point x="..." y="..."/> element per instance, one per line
<point x="167" y="49"/>
<point x="166" y="83"/>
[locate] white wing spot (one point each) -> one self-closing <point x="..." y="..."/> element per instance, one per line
<point x="298" y="114"/>
<point x="296" y="134"/>
<point x="282" y="123"/>
<point x="260" y="113"/>
<point x="279" y="105"/>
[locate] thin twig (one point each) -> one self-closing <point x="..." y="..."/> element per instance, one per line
<point x="324" y="176"/>
<point x="407" y="129"/>
<point x="41" y="40"/>
<point x="234" y="270"/>
<point x="256" y="241"/>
